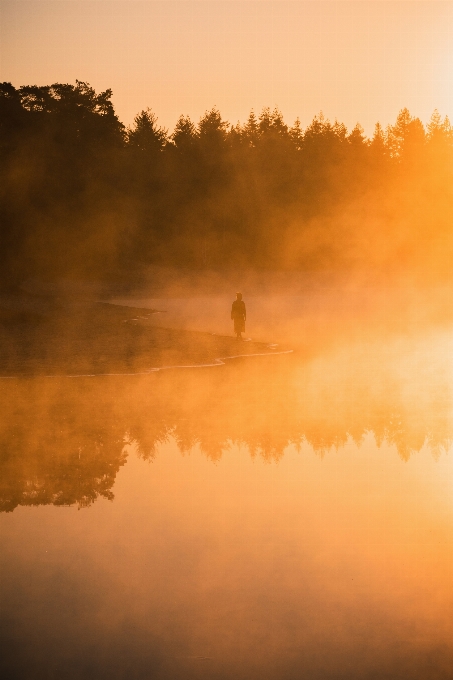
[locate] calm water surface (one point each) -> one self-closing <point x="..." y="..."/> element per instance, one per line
<point x="287" y="517"/>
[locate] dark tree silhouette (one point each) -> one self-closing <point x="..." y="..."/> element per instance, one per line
<point x="146" y="136"/>
<point x="185" y="134"/>
<point x="81" y="196"/>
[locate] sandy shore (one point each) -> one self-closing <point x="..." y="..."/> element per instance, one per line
<point x="72" y="337"/>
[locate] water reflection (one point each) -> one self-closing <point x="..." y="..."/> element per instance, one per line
<point x="279" y="517"/>
<point x="63" y="440"/>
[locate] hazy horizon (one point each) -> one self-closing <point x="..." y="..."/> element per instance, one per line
<point x="355" y="61"/>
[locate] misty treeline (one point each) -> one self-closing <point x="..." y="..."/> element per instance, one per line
<point x="82" y="195"/>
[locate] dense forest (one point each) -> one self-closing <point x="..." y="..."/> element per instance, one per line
<point x="84" y="196"/>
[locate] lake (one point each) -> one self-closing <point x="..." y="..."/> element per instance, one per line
<point x="281" y="517"/>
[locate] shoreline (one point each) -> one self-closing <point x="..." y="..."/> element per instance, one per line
<point x="220" y="361"/>
<point x="85" y="338"/>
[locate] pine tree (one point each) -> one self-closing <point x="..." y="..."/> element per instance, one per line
<point x="146" y="135"/>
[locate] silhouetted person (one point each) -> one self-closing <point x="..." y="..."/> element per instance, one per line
<point x="238" y="314"/>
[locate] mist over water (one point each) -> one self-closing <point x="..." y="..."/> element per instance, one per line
<point x="284" y="516"/>
<point x="179" y="504"/>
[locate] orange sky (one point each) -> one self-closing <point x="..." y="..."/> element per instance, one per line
<point x="356" y="61"/>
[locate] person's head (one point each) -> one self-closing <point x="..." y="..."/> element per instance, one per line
<point x="238" y="296"/>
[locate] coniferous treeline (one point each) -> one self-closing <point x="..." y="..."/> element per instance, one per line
<point x="82" y="195"/>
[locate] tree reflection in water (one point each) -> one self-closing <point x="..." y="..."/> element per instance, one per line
<point x="63" y="439"/>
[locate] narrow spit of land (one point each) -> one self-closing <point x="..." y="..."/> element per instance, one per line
<point x="79" y="337"/>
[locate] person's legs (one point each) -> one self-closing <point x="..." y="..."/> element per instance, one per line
<point x="238" y="328"/>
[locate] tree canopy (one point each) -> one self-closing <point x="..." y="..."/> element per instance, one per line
<point x="82" y="195"/>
